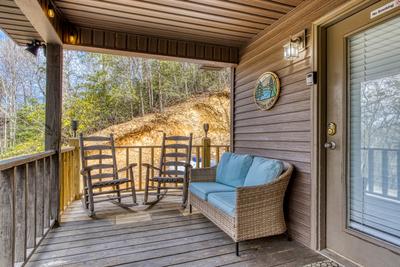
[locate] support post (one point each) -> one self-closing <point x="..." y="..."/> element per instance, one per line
<point x="53" y="120"/>
<point x="206" y="152"/>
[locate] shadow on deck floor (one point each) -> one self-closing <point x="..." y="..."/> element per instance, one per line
<point x="163" y="235"/>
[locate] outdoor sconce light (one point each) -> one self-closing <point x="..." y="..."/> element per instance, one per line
<point x="72" y="36"/>
<point x="34" y="46"/>
<point x="51" y="13"/>
<point x="296" y="44"/>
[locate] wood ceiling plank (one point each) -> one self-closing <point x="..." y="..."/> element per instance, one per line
<point x="110" y="25"/>
<point x="288" y="2"/>
<point x="201" y="8"/>
<point x="10" y="21"/>
<point x="10" y="10"/>
<point x="130" y="23"/>
<point x="13" y="27"/>
<point x="142" y="5"/>
<point x="245" y="9"/>
<point x="272" y="5"/>
<point x="157" y="17"/>
<point x="32" y="33"/>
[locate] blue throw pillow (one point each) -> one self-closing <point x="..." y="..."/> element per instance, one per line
<point x="232" y="169"/>
<point x="263" y="171"/>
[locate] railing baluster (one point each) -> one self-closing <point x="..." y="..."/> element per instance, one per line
<point x="70" y="184"/>
<point x="385" y="172"/>
<point x="127" y="163"/>
<point x="217" y="148"/>
<point x="7" y="221"/>
<point x="20" y="213"/>
<point x="46" y="193"/>
<point x="40" y="199"/>
<point x="152" y="163"/>
<point x="198" y="157"/>
<point x="140" y="169"/>
<point x="371" y="170"/>
<point x="31" y="205"/>
<point x="100" y="170"/>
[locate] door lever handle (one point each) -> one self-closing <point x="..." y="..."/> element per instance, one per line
<point x="330" y="145"/>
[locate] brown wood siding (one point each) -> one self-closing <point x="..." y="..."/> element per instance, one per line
<point x="284" y="132"/>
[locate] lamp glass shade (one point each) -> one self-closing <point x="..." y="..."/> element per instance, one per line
<point x="51" y="13"/>
<point x="291" y="50"/>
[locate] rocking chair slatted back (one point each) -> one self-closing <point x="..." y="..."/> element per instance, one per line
<point x="173" y="169"/>
<point x="99" y="170"/>
<point x="94" y="151"/>
<point x="175" y="152"/>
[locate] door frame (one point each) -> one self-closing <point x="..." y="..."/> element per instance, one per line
<point x="318" y="111"/>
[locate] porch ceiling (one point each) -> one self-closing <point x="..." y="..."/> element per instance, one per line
<point x="230" y="23"/>
<point x="14" y="23"/>
<point x="211" y="30"/>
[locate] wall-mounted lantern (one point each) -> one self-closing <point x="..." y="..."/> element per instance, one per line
<point x="51" y="13"/>
<point x="296" y="44"/>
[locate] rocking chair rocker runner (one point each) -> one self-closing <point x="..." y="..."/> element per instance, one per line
<point x="99" y="171"/>
<point x="174" y="169"/>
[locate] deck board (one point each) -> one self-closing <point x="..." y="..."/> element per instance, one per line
<point x="161" y="235"/>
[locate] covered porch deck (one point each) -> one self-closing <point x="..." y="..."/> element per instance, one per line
<point x="159" y="235"/>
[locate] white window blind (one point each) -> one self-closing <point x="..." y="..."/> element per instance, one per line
<point x="374" y="104"/>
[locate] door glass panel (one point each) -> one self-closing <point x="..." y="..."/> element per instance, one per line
<point x="374" y="131"/>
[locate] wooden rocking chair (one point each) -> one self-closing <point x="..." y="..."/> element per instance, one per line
<point x="99" y="171"/>
<point x="173" y="172"/>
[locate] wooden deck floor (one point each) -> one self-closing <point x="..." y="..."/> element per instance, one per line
<point x="163" y="235"/>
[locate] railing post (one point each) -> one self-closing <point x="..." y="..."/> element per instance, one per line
<point x="206" y="151"/>
<point x="74" y="142"/>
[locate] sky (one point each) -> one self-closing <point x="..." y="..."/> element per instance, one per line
<point x="2" y="35"/>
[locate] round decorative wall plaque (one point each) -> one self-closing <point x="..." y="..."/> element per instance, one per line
<point x="267" y="90"/>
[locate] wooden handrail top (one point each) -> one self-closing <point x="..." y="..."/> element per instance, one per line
<point x="67" y="149"/>
<point x="17" y="161"/>
<point x="221" y="146"/>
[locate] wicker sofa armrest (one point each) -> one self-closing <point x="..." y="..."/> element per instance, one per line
<point x="261" y="207"/>
<point x="203" y="174"/>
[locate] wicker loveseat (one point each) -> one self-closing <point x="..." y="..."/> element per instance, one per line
<point x="244" y="212"/>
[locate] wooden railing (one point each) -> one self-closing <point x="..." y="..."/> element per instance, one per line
<point x="70" y="177"/>
<point x="29" y="197"/>
<point x="384" y="181"/>
<point x="27" y="204"/>
<point x="31" y="202"/>
<point x="151" y="155"/>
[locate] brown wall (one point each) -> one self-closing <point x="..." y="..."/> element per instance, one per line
<point x="284" y="132"/>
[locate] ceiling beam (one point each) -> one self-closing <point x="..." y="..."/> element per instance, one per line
<point x="97" y="40"/>
<point x="50" y="29"/>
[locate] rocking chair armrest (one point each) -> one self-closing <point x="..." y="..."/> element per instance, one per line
<point x="86" y="171"/>
<point x="129" y="166"/>
<point x="149" y="166"/>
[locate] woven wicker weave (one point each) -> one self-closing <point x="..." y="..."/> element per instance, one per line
<point x="259" y="209"/>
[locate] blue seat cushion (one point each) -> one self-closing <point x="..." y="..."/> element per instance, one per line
<point x="263" y="171"/>
<point x="202" y="189"/>
<point x="232" y="169"/>
<point x="225" y="201"/>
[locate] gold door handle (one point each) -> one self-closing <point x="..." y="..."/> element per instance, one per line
<point x="330" y="145"/>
